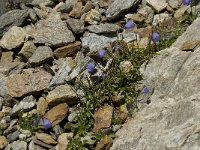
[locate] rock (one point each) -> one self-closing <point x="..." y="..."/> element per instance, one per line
<point x="94" y="41"/>
<point x="12" y="18"/>
<point x="189" y="39"/>
<point x="46" y="138"/>
<point x="93" y="17"/>
<point x="7" y="57"/>
<point x="3" y="142"/>
<point x="60" y="75"/>
<point x="63" y="141"/>
<point x="76" y="11"/>
<point x="57" y="113"/>
<point x="41" y="13"/>
<point x="25" y="105"/>
<point x="174" y="3"/>
<point x="44" y="3"/>
<point x="137" y="18"/>
<point x="102" y="118"/>
<point x="125" y="66"/>
<point x="148" y="13"/>
<point x="103" y="28"/>
<point x="68" y="51"/>
<point x="13" y="38"/>
<point x="17" y="145"/>
<point x="42" y="106"/>
<point x="170" y="118"/>
<point x="87" y="7"/>
<point x="157" y="5"/>
<point x="63" y="7"/>
<point x="104" y="143"/>
<point x="41" y="144"/>
<point x="180" y="12"/>
<point x="27" y="50"/>
<point x="13" y="136"/>
<point x="41" y="55"/>
<point x="31" y="81"/>
<point x="33" y="146"/>
<point x="63" y="93"/>
<point x="118" y="7"/>
<point x="76" y="25"/>
<point x="3" y="88"/>
<point x="52" y="32"/>
<point x="88" y="138"/>
<point x="160" y="18"/>
<point x="13" y="67"/>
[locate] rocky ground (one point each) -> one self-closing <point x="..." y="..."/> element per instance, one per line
<point x="56" y="54"/>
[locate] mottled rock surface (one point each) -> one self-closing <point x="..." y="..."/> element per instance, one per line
<point x="29" y="82"/>
<point x="52" y="32"/>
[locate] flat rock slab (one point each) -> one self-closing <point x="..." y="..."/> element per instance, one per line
<point x="53" y="32"/>
<point x="29" y="82"/>
<point x="118" y="7"/>
<point x="171" y="121"/>
<point x="12" y="18"/>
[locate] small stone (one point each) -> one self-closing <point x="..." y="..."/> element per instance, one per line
<point x="46" y="138"/>
<point x="93" y="17"/>
<point x="160" y="18"/>
<point x="63" y="141"/>
<point x="25" y="105"/>
<point x="102" y="118"/>
<point x="104" y="143"/>
<point x="17" y="145"/>
<point x="63" y="7"/>
<point x="117" y="99"/>
<point x="13" y="38"/>
<point x="3" y="142"/>
<point x="63" y="93"/>
<point x="103" y="28"/>
<point x="33" y="146"/>
<point x="180" y="12"/>
<point x="125" y="66"/>
<point x="137" y="18"/>
<point x="88" y="138"/>
<point x="68" y="51"/>
<point x="158" y="5"/>
<point x="42" y="106"/>
<point x="27" y="50"/>
<point x="148" y="13"/>
<point x="6" y="57"/>
<point x="41" y="55"/>
<point x="76" y="25"/>
<point x="87" y="7"/>
<point x="30" y="81"/>
<point x="76" y="11"/>
<point x="57" y="113"/>
<point x="22" y="137"/>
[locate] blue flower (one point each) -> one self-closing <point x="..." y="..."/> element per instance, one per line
<point x="186" y="2"/>
<point x="129" y="24"/>
<point x="101" y="53"/>
<point x="47" y="123"/>
<point x="146" y="89"/>
<point x="91" y="67"/>
<point x="155" y="37"/>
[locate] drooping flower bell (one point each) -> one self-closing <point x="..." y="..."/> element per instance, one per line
<point x="146" y="89"/>
<point x="47" y="123"/>
<point x="129" y="24"/>
<point x="91" y="67"/>
<point x="101" y="53"/>
<point x="186" y="2"/>
<point x="155" y="37"/>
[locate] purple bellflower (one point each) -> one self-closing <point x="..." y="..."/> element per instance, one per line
<point x="146" y="89"/>
<point x="47" y="123"/>
<point x="129" y="24"/>
<point x="155" y="37"/>
<point x="91" y="67"/>
<point x="101" y="53"/>
<point x="186" y="2"/>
